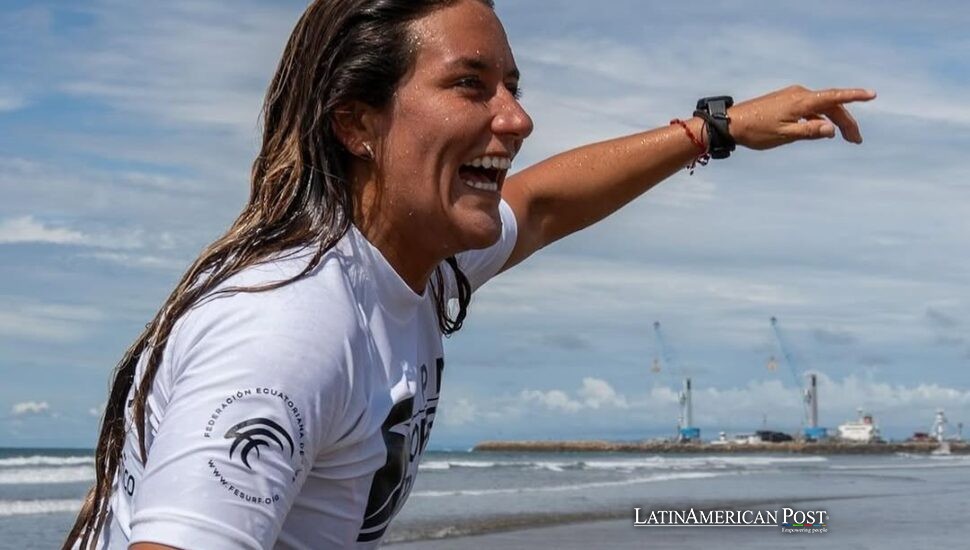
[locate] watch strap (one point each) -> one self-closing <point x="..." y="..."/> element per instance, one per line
<point x="713" y="110"/>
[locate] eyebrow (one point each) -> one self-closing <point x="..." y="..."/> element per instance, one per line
<point x="479" y="64"/>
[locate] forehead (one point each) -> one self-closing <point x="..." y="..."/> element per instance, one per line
<point x="453" y="36"/>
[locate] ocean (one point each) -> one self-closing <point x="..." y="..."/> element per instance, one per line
<point x="566" y="500"/>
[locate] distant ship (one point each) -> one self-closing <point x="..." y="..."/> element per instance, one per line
<point x="862" y="430"/>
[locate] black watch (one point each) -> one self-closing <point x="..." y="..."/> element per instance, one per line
<point x="714" y="111"/>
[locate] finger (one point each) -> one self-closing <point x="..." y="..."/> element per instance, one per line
<point x="846" y="123"/>
<point x="814" y="128"/>
<point x="823" y="99"/>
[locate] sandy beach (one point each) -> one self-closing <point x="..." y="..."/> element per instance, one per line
<point x="927" y="520"/>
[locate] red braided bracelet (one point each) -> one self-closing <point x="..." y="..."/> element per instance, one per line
<point x="702" y="156"/>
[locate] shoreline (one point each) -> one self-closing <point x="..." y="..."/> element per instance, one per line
<point x="667" y="447"/>
<point x="479" y="528"/>
<point x="540" y="530"/>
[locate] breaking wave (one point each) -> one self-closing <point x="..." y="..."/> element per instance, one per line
<point x="27" y="507"/>
<point x="66" y="474"/>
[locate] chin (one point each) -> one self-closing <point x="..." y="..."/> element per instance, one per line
<point x="480" y="229"/>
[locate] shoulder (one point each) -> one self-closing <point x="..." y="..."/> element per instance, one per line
<point x="298" y="342"/>
<point x="313" y="320"/>
<point x="273" y="296"/>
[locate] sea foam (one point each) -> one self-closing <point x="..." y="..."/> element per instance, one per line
<point x="645" y="463"/>
<point x="25" y="507"/>
<point x="39" y="460"/>
<point x="571" y="487"/>
<point x="65" y="474"/>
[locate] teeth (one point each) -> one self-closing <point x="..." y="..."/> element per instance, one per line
<point x="484" y="186"/>
<point x="499" y="163"/>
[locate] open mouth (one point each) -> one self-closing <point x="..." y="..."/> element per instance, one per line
<point x="484" y="173"/>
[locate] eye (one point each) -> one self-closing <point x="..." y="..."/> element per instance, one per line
<point x="515" y="90"/>
<point x="471" y="82"/>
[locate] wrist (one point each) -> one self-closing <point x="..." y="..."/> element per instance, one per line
<point x="737" y="126"/>
<point x="714" y="112"/>
<point x="694" y="129"/>
<point x="698" y="126"/>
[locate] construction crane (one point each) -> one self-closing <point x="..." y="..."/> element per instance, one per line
<point x="686" y="432"/>
<point x="663" y="353"/>
<point x="812" y="431"/>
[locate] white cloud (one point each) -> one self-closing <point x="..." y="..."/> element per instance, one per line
<point x="128" y="247"/>
<point x="47" y="322"/>
<point x="597" y="393"/>
<point x="660" y="69"/>
<point x="209" y="62"/>
<point x="560" y="283"/>
<point x="459" y="412"/>
<point x="593" y="394"/>
<point x="739" y="408"/>
<point x="10" y="101"/>
<point x="28" y="408"/>
<point x="555" y="400"/>
<point x="719" y="315"/>
<point x="148" y="261"/>
<point x="165" y="219"/>
<point x="26" y="229"/>
<point x="907" y="407"/>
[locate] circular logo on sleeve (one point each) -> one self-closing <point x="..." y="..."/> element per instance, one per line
<point x="255" y="433"/>
<point x="255" y="423"/>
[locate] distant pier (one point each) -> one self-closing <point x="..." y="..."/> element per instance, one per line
<point x="665" y="447"/>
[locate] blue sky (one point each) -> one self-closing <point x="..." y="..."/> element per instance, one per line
<point x="127" y="130"/>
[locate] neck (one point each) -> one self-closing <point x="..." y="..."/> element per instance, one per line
<point x="399" y="240"/>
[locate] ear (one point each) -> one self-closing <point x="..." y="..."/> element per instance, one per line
<point x="357" y="126"/>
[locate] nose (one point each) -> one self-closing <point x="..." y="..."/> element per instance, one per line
<point x="510" y="118"/>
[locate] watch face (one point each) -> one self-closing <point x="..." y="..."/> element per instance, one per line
<point x="718" y="108"/>
<point x="710" y="104"/>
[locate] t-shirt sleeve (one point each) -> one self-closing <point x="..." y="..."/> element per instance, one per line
<point x="253" y="396"/>
<point x="483" y="264"/>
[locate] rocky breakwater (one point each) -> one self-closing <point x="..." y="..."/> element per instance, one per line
<point x="672" y="447"/>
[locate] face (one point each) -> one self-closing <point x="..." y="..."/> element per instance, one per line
<point x="456" y="108"/>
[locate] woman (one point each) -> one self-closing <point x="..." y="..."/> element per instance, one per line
<point x="285" y="391"/>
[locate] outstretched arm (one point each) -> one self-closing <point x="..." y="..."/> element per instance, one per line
<point x="578" y="188"/>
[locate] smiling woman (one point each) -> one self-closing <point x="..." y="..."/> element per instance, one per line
<point x="446" y="141"/>
<point x="285" y="392"/>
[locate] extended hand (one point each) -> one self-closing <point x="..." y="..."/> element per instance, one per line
<point x="795" y="113"/>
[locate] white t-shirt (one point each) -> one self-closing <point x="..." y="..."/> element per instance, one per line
<point x="292" y="418"/>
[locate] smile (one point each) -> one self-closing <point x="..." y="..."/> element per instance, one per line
<point x="484" y="173"/>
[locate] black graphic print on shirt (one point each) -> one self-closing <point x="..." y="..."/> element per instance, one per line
<point x="406" y="433"/>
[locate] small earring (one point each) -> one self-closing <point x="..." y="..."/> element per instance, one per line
<point x="370" y="150"/>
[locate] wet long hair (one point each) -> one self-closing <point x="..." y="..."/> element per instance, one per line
<point x="340" y="51"/>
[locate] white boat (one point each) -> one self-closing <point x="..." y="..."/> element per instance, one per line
<point x="746" y="439"/>
<point x="721" y="439"/>
<point x="862" y="430"/>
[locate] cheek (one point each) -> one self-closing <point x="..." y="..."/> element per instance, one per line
<point x="428" y="139"/>
<point x="419" y="117"/>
